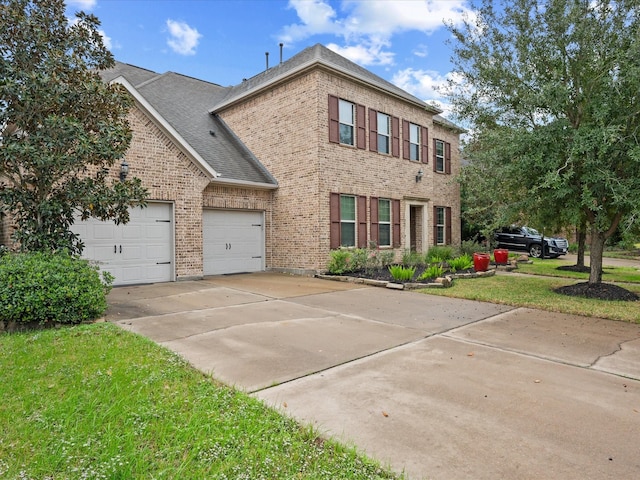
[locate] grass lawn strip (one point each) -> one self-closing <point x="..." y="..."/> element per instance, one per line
<point x="97" y="402"/>
<point x="535" y="291"/>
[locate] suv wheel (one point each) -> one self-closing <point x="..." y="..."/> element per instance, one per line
<point x="535" y="250"/>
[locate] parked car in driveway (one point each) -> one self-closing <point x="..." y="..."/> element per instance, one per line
<point x="529" y="240"/>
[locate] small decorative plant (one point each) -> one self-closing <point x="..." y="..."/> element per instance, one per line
<point x="463" y="262"/>
<point x="434" y="271"/>
<point x="401" y="273"/>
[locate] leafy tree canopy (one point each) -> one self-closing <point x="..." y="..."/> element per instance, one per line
<point x="61" y="127"/>
<point x="552" y="90"/>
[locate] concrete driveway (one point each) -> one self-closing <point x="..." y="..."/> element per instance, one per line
<point x="438" y="388"/>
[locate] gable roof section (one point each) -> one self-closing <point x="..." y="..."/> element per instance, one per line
<point x="317" y="55"/>
<point x="179" y="103"/>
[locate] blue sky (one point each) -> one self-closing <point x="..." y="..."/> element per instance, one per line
<point x="224" y="41"/>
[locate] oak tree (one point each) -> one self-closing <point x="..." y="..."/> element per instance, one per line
<point x="552" y="93"/>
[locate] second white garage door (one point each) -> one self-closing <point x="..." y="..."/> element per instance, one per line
<point x="233" y="241"/>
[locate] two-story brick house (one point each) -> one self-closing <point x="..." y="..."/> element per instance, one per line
<point x="310" y="155"/>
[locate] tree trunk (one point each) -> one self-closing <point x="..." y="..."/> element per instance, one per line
<point x="581" y="236"/>
<point x="595" y="255"/>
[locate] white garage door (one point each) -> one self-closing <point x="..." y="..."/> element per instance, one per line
<point x="138" y="252"/>
<point x="233" y="241"/>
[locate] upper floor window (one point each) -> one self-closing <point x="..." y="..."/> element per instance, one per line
<point x="439" y="156"/>
<point x="384" y="133"/>
<point x="414" y="142"/>
<point x="347" y="122"/>
<point x="384" y="222"/>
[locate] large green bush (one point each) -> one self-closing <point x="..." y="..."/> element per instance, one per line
<point x="51" y="288"/>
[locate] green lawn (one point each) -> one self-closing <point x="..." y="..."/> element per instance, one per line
<point x="532" y="286"/>
<point x="96" y="402"/>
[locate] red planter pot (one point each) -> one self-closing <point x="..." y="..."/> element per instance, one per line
<point x="481" y="262"/>
<point x="501" y="255"/>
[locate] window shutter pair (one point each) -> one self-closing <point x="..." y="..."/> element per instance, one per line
<point x="406" y="142"/>
<point x="334" y="220"/>
<point x="373" y="133"/>
<point x="447" y="157"/>
<point x="334" y="123"/>
<point x="395" y="220"/>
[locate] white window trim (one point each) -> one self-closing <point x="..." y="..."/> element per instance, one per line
<point x="380" y="222"/>
<point x="386" y="134"/>
<point x="342" y="122"/>
<point x="441" y="226"/>
<point x="440" y="142"/>
<point x="354" y="221"/>
<point x="417" y="143"/>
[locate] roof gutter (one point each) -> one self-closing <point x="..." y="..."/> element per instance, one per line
<point x="243" y="183"/>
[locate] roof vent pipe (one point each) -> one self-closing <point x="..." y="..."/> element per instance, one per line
<point x="266" y="54"/>
<point x="281" y="45"/>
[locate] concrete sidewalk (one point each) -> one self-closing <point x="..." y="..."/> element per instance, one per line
<point x="435" y="387"/>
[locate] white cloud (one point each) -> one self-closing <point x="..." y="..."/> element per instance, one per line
<point x="368" y="26"/>
<point x="83" y="4"/>
<point x="428" y="85"/>
<point x="183" y="38"/>
<point x="106" y="39"/>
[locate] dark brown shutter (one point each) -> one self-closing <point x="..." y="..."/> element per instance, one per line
<point x="362" y="222"/>
<point x="447" y="158"/>
<point x="406" y="145"/>
<point x="373" y="130"/>
<point x="395" y="136"/>
<point x="373" y="206"/>
<point x="435" y="225"/>
<point x="334" y="120"/>
<point x="361" y="125"/>
<point x="424" y="139"/>
<point x="435" y="160"/>
<point x="447" y="236"/>
<point x="395" y="213"/>
<point x="334" y="219"/>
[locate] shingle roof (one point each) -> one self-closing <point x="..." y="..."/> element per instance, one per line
<point x="318" y="54"/>
<point x="182" y="102"/>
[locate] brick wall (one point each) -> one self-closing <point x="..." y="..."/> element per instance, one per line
<point x="291" y="140"/>
<point x="170" y="176"/>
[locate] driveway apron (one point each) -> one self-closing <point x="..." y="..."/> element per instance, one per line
<point x="432" y="386"/>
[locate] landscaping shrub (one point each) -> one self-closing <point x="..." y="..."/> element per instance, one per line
<point x="51" y="288"/>
<point x="339" y="262"/>
<point x="434" y="271"/>
<point x="401" y="273"/>
<point x="469" y="247"/>
<point x="462" y="262"/>
<point x="438" y="253"/>
<point x="412" y="258"/>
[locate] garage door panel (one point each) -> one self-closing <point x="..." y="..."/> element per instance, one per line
<point x="137" y="252"/>
<point x="233" y="241"/>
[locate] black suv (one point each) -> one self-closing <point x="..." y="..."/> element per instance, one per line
<point x="529" y="240"/>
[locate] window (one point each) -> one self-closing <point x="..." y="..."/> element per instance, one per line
<point x="384" y="133"/>
<point x="384" y="222"/>
<point x="347" y="221"/>
<point x="439" y="156"/>
<point x="414" y="142"/>
<point x="347" y="122"/>
<point x="440" y="225"/>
